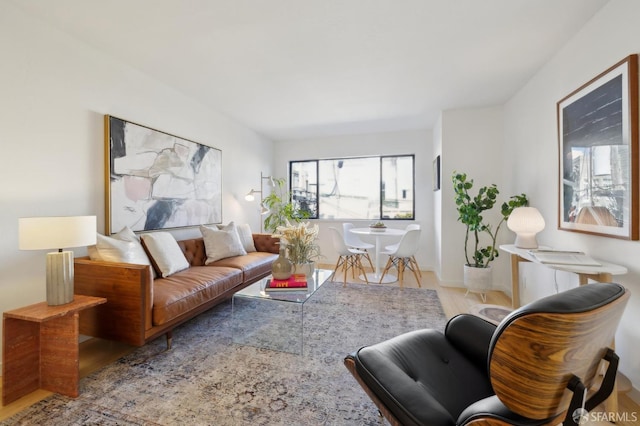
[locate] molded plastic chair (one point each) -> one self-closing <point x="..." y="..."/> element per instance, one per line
<point x="353" y="241"/>
<point x="394" y="247"/>
<point x="403" y="256"/>
<point x="348" y="258"/>
<point x="532" y="369"/>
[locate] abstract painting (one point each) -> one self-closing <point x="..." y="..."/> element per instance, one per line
<point x="598" y="149"/>
<point x="156" y="180"/>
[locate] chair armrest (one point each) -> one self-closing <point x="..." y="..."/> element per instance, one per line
<point x="129" y="292"/>
<point x="471" y="335"/>
<point x="266" y="243"/>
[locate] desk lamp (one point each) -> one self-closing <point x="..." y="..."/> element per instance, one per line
<point x="42" y="233"/>
<point x="526" y="222"/>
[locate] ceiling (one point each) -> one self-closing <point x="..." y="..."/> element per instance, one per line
<point x="296" y="69"/>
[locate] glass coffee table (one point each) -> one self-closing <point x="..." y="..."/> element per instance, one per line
<point x="273" y="320"/>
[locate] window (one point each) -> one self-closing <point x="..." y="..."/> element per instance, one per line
<point x="354" y="188"/>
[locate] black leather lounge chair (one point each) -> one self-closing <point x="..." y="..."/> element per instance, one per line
<point x="531" y="369"/>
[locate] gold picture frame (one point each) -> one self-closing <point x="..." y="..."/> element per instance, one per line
<point x="155" y="180"/>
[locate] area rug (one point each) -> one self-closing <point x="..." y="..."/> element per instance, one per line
<point x="206" y="379"/>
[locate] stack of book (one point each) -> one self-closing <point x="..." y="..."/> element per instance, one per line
<point x="296" y="282"/>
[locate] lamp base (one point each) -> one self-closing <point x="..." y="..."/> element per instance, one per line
<point x="59" y="278"/>
<point x="526" y="241"/>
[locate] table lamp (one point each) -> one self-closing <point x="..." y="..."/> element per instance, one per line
<point x="43" y="233"/>
<point x="526" y="222"/>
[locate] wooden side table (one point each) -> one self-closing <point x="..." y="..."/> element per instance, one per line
<point x="40" y="348"/>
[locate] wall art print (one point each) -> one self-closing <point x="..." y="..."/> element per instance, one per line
<point x="598" y="148"/>
<point x="159" y="181"/>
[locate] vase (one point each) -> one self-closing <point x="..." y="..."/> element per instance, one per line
<point x="304" y="268"/>
<point x="281" y="268"/>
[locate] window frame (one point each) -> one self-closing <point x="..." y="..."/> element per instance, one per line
<point x="380" y="187"/>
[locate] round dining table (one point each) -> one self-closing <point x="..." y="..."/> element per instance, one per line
<point x="379" y="236"/>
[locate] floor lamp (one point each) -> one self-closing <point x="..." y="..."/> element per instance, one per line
<point x="44" y="233"/>
<point x="251" y="196"/>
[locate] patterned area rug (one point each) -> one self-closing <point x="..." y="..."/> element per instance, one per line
<point x="206" y="379"/>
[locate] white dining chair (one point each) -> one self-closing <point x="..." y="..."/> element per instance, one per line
<point x="348" y="258"/>
<point x="393" y="247"/>
<point x="403" y="256"/>
<point x="353" y="241"/>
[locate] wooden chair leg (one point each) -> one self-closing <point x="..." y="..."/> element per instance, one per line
<point x="416" y="270"/>
<point x="364" y="273"/>
<point x="386" y="268"/>
<point x="345" y="267"/>
<point x="366" y="254"/>
<point x="335" y="268"/>
<point x="415" y="262"/>
<point x="400" y="267"/>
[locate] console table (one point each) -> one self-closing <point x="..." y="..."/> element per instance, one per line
<point x="602" y="273"/>
<point x="40" y="348"/>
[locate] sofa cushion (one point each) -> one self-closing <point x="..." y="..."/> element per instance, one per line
<point x="123" y="247"/>
<point x="190" y="288"/>
<point x="246" y="237"/>
<point x="221" y="243"/>
<point x="253" y="265"/>
<point x="165" y="253"/>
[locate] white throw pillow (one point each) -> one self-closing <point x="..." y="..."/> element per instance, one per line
<point x="166" y="253"/>
<point x="246" y="237"/>
<point x="108" y="249"/>
<point x="221" y="243"/>
<point x="122" y="247"/>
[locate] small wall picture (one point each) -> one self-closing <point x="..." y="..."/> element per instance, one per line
<point x="436" y="174"/>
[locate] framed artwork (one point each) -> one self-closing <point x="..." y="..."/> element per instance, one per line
<point x="155" y="180"/>
<point x="598" y="150"/>
<point x="436" y="174"/>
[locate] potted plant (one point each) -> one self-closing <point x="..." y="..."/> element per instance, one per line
<point x="281" y="209"/>
<point x="300" y="242"/>
<point x="471" y="210"/>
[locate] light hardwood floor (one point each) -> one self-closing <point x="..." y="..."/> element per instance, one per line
<point x="96" y="353"/>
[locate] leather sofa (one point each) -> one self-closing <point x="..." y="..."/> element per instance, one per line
<point x="140" y="307"/>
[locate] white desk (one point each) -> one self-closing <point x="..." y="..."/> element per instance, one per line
<point x="375" y="276"/>
<point x="602" y="273"/>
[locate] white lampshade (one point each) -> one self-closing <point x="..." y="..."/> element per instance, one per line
<point x="44" y="233"/>
<point x="526" y="222"/>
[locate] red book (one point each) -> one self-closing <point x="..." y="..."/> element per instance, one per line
<point x="294" y="282"/>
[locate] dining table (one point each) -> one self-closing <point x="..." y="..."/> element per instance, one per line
<point x="380" y="235"/>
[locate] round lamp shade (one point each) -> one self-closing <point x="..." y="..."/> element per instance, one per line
<point x="526" y="222"/>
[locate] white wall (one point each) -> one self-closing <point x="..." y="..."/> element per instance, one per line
<point x="409" y="142"/>
<point x="54" y="92"/>
<point x="532" y="160"/>
<point x="472" y="143"/>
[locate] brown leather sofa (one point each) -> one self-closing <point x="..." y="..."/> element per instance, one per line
<point x="140" y="308"/>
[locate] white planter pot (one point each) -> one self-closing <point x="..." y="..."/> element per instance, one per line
<point x="478" y="280"/>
